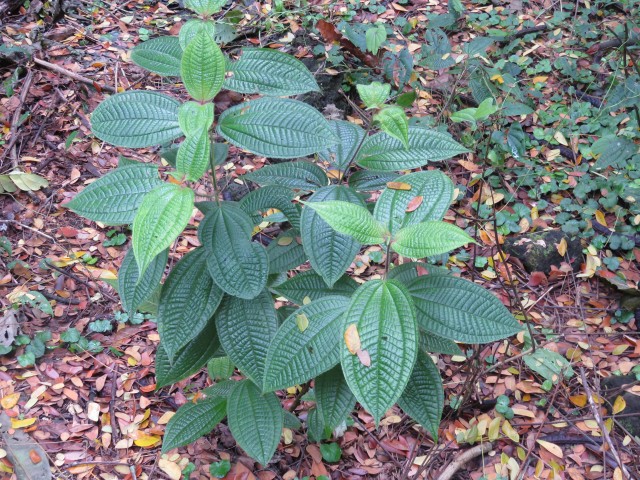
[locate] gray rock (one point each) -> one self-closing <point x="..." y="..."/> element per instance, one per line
<point x="613" y="387"/>
<point x="538" y="251"/>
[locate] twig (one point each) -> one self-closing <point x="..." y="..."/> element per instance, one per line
<point x="97" y="462"/>
<point x="463" y="459"/>
<point x="375" y="439"/>
<point x="80" y="280"/>
<point x="75" y="76"/>
<point x="603" y="428"/>
<point x="296" y="401"/>
<point x="524" y="32"/>
<point x="11" y="147"/>
<point x="112" y="409"/>
<point x="22" y="225"/>
<point x="59" y="299"/>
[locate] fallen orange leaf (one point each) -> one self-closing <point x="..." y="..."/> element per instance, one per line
<point x="10" y="401"/>
<point x="352" y="338"/>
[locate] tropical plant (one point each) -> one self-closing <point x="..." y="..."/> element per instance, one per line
<point x="364" y="343"/>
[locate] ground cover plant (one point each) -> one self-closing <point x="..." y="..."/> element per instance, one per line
<point x="535" y="188"/>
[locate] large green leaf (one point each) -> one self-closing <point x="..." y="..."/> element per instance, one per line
<point x="394" y="122"/>
<point x="255" y="420"/>
<point x="114" y="199"/>
<point x="163" y="214"/>
<point x="160" y="55"/>
<point x="246" y="328"/>
<point x="299" y="174"/>
<point x="342" y="153"/>
<point x="333" y="397"/>
<point x="385" y="153"/>
<point x="312" y="286"/>
<point x="193" y="420"/>
<point x="433" y="187"/>
<point x="269" y="72"/>
<point x="371" y="180"/>
<point x="285" y="252"/>
<point x="239" y="266"/>
<point x="134" y="290"/>
<point x="188" y="299"/>
<point x="202" y="67"/>
<point x="350" y="219"/>
<point x="306" y="344"/>
<point x="459" y="310"/>
<point x="329" y="251"/>
<point x="189" y="359"/>
<point x="375" y="94"/>
<point x="137" y="119"/>
<point x="385" y="319"/>
<point x="272" y="196"/>
<point x="432" y="237"/>
<point x="423" y="397"/>
<point x="194" y="155"/>
<point x="276" y="127"/>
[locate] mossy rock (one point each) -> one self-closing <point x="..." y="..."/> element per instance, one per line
<point x="612" y="388"/>
<point x="539" y="251"/>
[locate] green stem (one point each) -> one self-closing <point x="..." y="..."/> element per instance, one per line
<point x="387" y="260"/>
<point x="213" y="177"/>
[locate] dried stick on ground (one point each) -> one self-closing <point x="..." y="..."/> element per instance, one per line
<point x="75" y="76"/>
<point x="463" y="459"/>
<point x="11" y="147"/>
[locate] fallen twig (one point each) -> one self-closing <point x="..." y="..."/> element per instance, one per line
<point x="80" y="280"/>
<point x="75" y="76"/>
<point x="463" y="459"/>
<point x="11" y="147"/>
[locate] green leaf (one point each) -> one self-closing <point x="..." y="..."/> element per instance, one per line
<point x="423" y="397"/>
<point x="188" y="299"/>
<point x="371" y="180"/>
<point x="114" y="198"/>
<point x="459" y="310"/>
<point x="246" y="328"/>
<point x="160" y="55"/>
<point x="189" y="30"/>
<point x="189" y="359"/>
<point x="333" y="397"/>
<point x="384" y="315"/>
<point x="27" y="182"/>
<point x="350" y="219"/>
<point x="432" y="237"/>
<point x="137" y="119"/>
<point x="291" y="421"/>
<point x="220" y="368"/>
<point x="299" y="174"/>
<point x="385" y="153"/>
<point x="342" y="153"/>
<point x="194" y="117"/>
<point x="163" y="214"/>
<point x="220" y="389"/>
<point x="315" y="426"/>
<point x="375" y="94"/>
<point x="434" y="344"/>
<point x="239" y="267"/>
<point x="486" y="108"/>
<point x="310" y="284"/>
<point x="329" y="251"/>
<point x="613" y="151"/>
<point x="285" y="252"/>
<point x="331" y="452"/>
<point x="220" y="469"/>
<point x="193" y="155"/>
<point x="549" y="365"/>
<point x="296" y="356"/>
<point x="192" y="421"/>
<point x="270" y="72"/>
<point x="272" y="196"/>
<point x="394" y="121"/>
<point x="135" y="290"/>
<point x="433" y="186"/>
<point x="255" y="420"/>
<point x="205" y="7"/>
<point x="276" y="127"/>
<point x="375" y="37"/>
<point x="203" y="67"/>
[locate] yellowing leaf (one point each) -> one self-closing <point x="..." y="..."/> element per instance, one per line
<point x="540" y="79"/>
<point x="551" y="447"/>
<point x="600" y="218"/>
<point x="560" y="138"/>
<point x="284" y="241"/>
<point x="302" y="321"/>
<point x="145" y="440"/>
<point x="25" y="422"/>
<point x="10" y="401"/>
<point x="398" y="186"/>
<point x="497" y="78"/>
<point x="173" y="470"/>
<point x="562" y="247"/>
<point x="619" y="404"/>
<point x="510" y="432"/>
<point x="494" y="429"/>
<point x="578" y="400"/>
<point x="620" y="349"/>
<point x="306" y="300"/>
<point x="352" y="338"/>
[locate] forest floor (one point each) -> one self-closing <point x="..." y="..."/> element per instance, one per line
<point x="79" y="375"/>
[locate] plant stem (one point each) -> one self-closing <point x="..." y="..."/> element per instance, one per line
<point x="213" y="178"/>
<point x="387" y="260"/>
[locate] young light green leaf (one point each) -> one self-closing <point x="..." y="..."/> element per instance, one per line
<point x="333" y="397"/>
<point x="460" y="310"/>
<point x="114" y="198"/>
<point x="239" y="266"/>
<point x="341" y="154"/>
<point x="276" y="127"/>
<point x="269" y="72"/>
<point x="255" y="420"/>
<point x="295" y="355"/>
<point x="133" y="289"/>
<point x="350" y="219"/>
<point x="434" y="189"/>
<point x="203" y="67"/>
<point x="163" y="214"/>
<point x="192" y="421"/>
<point x="189" y="30"/>
<point x="375" y="94"/>
<point x="385" y="153"/>
<point x="423" y="397"/>
<point x="394" y="121"/>
<point x="329" y="251"/>
<point x="187" y="301"/>
<point x="312" y="286"/>
<point x="472" y="115"/>
<point x="160" y="55"/>
<point x="194" y="117"/>
<point x="246" y="329"/>
<point x="193" y="155"/>
<point x="375" y="37"/>
<point x="299" y="174"/>
<point x="384" y="316"/>
<point x="205" y="7"/>
<point x="432" y="237"/>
